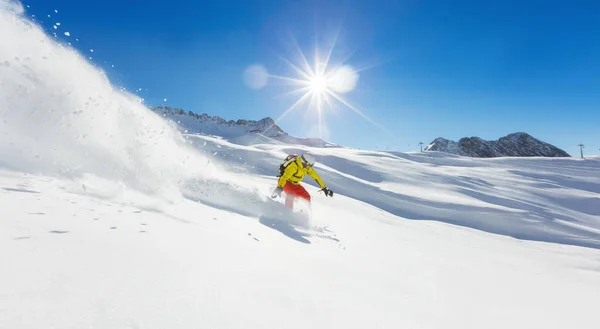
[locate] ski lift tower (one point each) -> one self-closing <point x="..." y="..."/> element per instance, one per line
<point x="581" y="147"/>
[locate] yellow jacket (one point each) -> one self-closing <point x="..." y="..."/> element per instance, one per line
<point x="295" y="172"/>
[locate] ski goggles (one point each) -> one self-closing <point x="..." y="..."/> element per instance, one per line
<point x="305" y="163"/>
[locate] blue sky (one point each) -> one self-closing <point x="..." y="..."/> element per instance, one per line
<point x="434" y="68"/>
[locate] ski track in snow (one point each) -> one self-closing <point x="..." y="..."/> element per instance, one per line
<point x="113" y="217"/>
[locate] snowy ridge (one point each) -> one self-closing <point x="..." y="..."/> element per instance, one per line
<point x="111" y="217"/>
<point x="241" y="131"/>
<point x="517" y="144"/>
<point x="264" y="126"/>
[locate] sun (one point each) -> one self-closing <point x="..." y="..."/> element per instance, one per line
<point x="322" y="84"/>
<point x="318" y="85"/>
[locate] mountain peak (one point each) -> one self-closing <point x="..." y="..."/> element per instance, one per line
<point x="519" y="144"/>
<point x="518" y="134"/>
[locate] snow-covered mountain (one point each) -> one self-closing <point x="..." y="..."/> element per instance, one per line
<point x="513" y="145"/>
<point x="190" y="122"/>
<point x="112" y="217"/>
<point x="200" y="123"/>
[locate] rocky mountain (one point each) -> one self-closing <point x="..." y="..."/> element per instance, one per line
<point x="513" y="145"/>
<point x="236" y="131"/>
<point x="264" y="126"/>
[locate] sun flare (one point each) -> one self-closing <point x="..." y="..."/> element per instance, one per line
<point x="321" y="85"/>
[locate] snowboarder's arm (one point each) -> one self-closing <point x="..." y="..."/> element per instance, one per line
<point x="312" y="173"/>
<point x="289" y="171"/>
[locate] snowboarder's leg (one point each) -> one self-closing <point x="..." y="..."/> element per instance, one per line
<point x="289" y="190"/>
<point x="302" y="193"/>
<point x="302" y="218"/>
<point x="289" y="201"/>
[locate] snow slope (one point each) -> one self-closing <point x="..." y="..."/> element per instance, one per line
<point x="74" y="261"/>
<point x="110" y="218"/>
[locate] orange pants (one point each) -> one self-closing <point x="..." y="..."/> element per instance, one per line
<point x="294" y="191"/>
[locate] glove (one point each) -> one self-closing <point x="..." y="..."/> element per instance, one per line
<point x="327" y="192"/>
<point x="277" y="192"/>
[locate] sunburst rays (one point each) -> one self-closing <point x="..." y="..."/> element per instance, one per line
<point x="321" y="84"/>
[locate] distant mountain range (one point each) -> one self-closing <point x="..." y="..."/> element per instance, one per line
<point x="265" y="126"/>
<point x="513" y="145"/>
<point x="190" y="122"/>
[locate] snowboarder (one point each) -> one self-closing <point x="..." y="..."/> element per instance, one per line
<point x="292" y="171"/>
